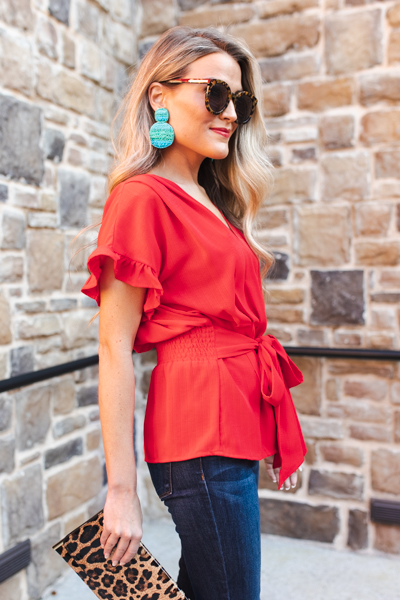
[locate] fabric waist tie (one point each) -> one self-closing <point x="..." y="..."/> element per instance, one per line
<point x="278" y="374"/>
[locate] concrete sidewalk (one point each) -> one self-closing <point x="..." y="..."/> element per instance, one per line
<point x="291" y="569"/>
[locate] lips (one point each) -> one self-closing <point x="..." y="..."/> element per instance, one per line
<point x="222" y="131"/>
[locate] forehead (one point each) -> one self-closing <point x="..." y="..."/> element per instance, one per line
<point x="218" y="65"/>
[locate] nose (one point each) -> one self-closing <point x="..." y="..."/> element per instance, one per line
<point x="229" y="113"/>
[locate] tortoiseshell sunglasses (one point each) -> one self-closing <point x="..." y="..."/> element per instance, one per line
<point x="218" y="96"/>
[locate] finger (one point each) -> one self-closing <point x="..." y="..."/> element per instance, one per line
<point x="109" y="545"/>
<point x="270" y="472"/>
<point x="130" y="552"/>
<point x="293" y="479"/>
<point x="120" y="550"/>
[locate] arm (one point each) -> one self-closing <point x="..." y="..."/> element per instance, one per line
<point x="121" y="308"/>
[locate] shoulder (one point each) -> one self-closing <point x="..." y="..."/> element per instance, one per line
<point x="135" y="195"/>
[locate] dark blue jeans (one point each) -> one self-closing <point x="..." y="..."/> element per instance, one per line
<point x="213" y="502"/>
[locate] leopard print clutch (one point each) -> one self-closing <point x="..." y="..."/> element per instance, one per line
<point x="141" y="578"/>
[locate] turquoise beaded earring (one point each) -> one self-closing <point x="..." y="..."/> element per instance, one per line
<point x="161" y="133"/>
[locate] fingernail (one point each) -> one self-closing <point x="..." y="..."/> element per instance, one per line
<point x="300" y="468"/>
<point x="115" y="562"/>
<point x="106" y="556"/>
<point x="274" y="480"/>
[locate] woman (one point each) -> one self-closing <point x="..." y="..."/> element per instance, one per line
<point x="177" y="268"/>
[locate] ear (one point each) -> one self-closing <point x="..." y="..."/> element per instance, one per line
<point x="157" y="95"/>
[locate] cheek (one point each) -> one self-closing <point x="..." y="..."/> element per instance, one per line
<point x="190" y="118"/>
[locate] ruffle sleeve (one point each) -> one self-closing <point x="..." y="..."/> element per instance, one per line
<point x="132" y="233"/>
<point x="127" y="270"/>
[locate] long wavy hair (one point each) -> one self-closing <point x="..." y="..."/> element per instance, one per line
<point x="238" y="184"/>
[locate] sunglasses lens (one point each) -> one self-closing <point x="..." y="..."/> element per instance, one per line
<point x="218" y="97"/>
<point x="243" y="107"/>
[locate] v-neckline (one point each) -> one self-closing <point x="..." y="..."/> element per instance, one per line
<point x="227" y="226"/>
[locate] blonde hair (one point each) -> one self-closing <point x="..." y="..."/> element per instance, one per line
<point x="238" y="184"/>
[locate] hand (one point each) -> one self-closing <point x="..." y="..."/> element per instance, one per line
<point x="122" y="525"/>
<point x="274" y="474"/>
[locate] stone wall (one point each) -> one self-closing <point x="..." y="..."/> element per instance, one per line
<point x="63" y="67"/>
<point x="332" y="79"/>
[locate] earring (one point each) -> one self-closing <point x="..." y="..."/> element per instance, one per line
<point x="161" y="133"/>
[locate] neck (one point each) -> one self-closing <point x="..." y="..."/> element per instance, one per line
<point x="179" y="165"/>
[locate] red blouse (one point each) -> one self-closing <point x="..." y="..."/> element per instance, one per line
<point x="220" y="386"/>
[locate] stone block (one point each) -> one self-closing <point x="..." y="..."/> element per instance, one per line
<point x="285" y="315"/>
<point x="272" y="8"/>
<point x="396" y="416"/>
<point x="75" y="333"/>
<point x="220" y="15"/>
<point x="303" y="154"/>
<point x="270" y="219"/>
<point x="60" y="10"/>
<point x="280" y="270"/>
<point x="324" y="94"/>
<point x="380" y="127"/>
<point x="157" y="17"/>
<point x="385" y="474"/>
<point x="346" y="175"/>
<point x="62" y="304"/>
<point x="379" y="368"/>
<point x="32" y="411"/>
<point x="370" y="432"/>
<point x="358" y="529"/>
<point x="93" y="439"/>
<point x="296" y="136"/>
<point x="46" y="38"/>
<point x="380" y="340"/>
<point x="336" y="484"/>
<point x="322" y="235"/>
<point x="346" y="338"/>
<point x="119" y="41"/>
<point x="20" y="129"/>
<point x="393" y="15"/>
<point x="337" y="131"/>
<point x="88" y="19"/>
<point x="68" y="50"/>
<point x="366" y="389"/>
<point x="390" y="279"/>
<point x="67" y="425"/>
<point x="45" y="566"/>
<point x="87" y="395"/>
<point x="16" y="63"/>
<point x="73" y="486"/>
<point x="377" y="253"/>
<point x="335" y="453"/>
<point x="387" y="538"/>
<point x="74" y="197"/>
<point x="381" y="87"/>
<point x="17" y="13"/>
<point x="5" y="414"/>
<point x="21" y="497"/>
<point x="387" y="163"/>
<point x="387" y="297"/>
<point x="299" y="520"/>
<point x="12" y="588"/>
<point x="285" y="296"/>
<point x="7" y="454"/>
<point x="329" y="429"/>
<point x="331" y="389"/>
<point x="276" y="99"/>
<point x="65" y="88"/>
<point x="281" y="334"/>
<point x="45" y="260"/>
<point x="54" y="142"/>
<point x="307" y="396"/>
<point x="360" y="410"/>
<point x="345" y="52"/>
<point x="383" y="319"/>
<point x="63" y="453"/>
<point x="5" y="321"/>
<point x="91" y="60"/>
<point x="372" y="218"/>
<point x="292" y="184"/>
<point x="3" y="192"/>
<point x="63" y="397"/>
<point x="21" y="360"/>
<point x="311" y="337"/>
<point x="13" y="224"/>
<point x="274" y="37"/>
<point x="394" y="47"/>
<point x="337" y="297"/>
<point x="189" y="4"/>
<point x="289" y="67"/>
